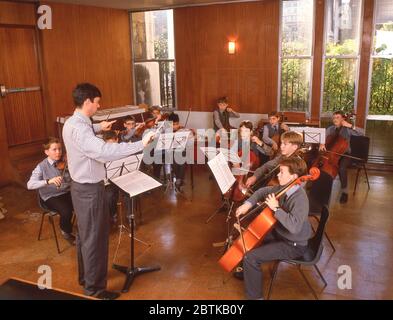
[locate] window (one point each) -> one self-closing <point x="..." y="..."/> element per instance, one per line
<point x="297" y="20"/>
<point x="154" y="57"/>
<point x="341" y="56"/>
<point x="381" y="90"/>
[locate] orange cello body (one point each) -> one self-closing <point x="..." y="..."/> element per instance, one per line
<point x="253" y="236"/>
<point x="258" y="228"/>
<point x="329" y="162"/>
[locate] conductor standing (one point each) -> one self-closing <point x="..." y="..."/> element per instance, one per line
<point x="86" y="156"/>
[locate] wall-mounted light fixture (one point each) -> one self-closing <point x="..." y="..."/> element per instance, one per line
<point x="231" y="47"/>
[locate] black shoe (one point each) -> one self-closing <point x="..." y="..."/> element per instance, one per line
<point x="69" y="237"/>
<point x="107" y="295"/>
<point x="238" y="274"/>
<point x="344" y="198"/>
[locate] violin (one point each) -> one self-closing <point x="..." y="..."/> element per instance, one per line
<point x="62" y="166"/>
<point x="259" y="227"/>
<point x="148" y="124"/>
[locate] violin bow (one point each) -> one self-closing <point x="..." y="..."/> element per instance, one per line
<point x="188" y="115"/>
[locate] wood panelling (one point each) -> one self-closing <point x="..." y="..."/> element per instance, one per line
<point x="317" y="63"/>
<point x="86" y="44"/>
<point x="364" y="67"/>
<point x="205" y="70"/>
<point x="23" y="111"/>
<point x="17" y="13"/>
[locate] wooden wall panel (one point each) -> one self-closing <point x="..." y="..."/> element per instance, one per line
<point x="205" y="70"/>
<point x="364" y="67"/>
<point x="87" y="44"/>
<point x="17" y="13"/>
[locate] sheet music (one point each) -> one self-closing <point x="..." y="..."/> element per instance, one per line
<point x="221" y="172"/>
<point x="311" y="134"/>
<point x="165" y="141"/>
<point x="135" y="183"/>
<point x="128" y="164"/>
<point x="229" y="155"/>
<point x="180" y="139"/>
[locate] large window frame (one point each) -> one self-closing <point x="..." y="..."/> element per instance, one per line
<point x="282" y="57"/>
<point x="135" y="61"/>
<point x="349" y="56"/>
<point x="370" y="71"/>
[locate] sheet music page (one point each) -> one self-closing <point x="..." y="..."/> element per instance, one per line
<point x="230" y="155"/>
<point x="221" y="172"/>
<point x="180" y="140"/>
<point x="165" y="141"/>
<point x="210" y="152"/>
<point x="135" y="183"/>
<point x="311" y="134"/>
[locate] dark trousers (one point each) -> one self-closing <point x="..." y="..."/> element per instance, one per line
<point x="273" y="248"/>
<point x="111" y="198"/>
<point x="179" y="170"/>
<point x="344" y="163"/>
<point x="92" y="240"/>
<point x="63" y="205"/>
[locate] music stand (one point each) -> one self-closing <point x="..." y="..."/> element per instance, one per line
<point x="115" y="169"/>
<point x="172" y="142"/>
<point x="132" y="184"/>
<point x="225" y="180"/>
<point x="311" y="134"/>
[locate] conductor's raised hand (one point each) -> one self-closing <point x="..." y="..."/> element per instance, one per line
<point x="107" y="125"/>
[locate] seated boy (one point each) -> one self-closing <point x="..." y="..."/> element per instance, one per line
<point x="131" y="127"/>
<point x="289" y="237"/>
<point x="291" y="142"/>
<point x="54" y="187"/>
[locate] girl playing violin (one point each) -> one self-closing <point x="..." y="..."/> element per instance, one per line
<point x="53" y="186"/>
<point x="345" y="130"/>
<point x="289" y="238"/>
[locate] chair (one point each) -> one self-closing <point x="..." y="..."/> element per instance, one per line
<point x="310" y="258"/>
<point x="360" y="146"/>
<point x="51" y="214"/>
<point x="319" y="196"/>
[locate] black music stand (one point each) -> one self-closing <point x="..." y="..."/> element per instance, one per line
<point x="133" y="184"/>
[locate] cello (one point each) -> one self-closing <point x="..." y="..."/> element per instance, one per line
<point x="238" y="194"/>
<point x="259" y="227"/>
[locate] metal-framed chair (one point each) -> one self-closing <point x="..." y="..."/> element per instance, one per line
<point x="319" y="196"/>
<point x="51" y="214"/>
<point x="311" y="256"/>
<point x="360" y="146"/>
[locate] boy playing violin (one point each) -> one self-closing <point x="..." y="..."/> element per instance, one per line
<point x="345" y="130"/>
<point x="290" y="235"/>
<point x="273" y="128"/>
<point x="130" y="128"/>
<point x="221" y="115"/>
<point x="54" y="186"/>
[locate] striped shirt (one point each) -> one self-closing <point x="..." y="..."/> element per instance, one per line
<point x="87" y="154"/>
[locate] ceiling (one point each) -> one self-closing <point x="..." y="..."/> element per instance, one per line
<point x="144" y="4"/>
